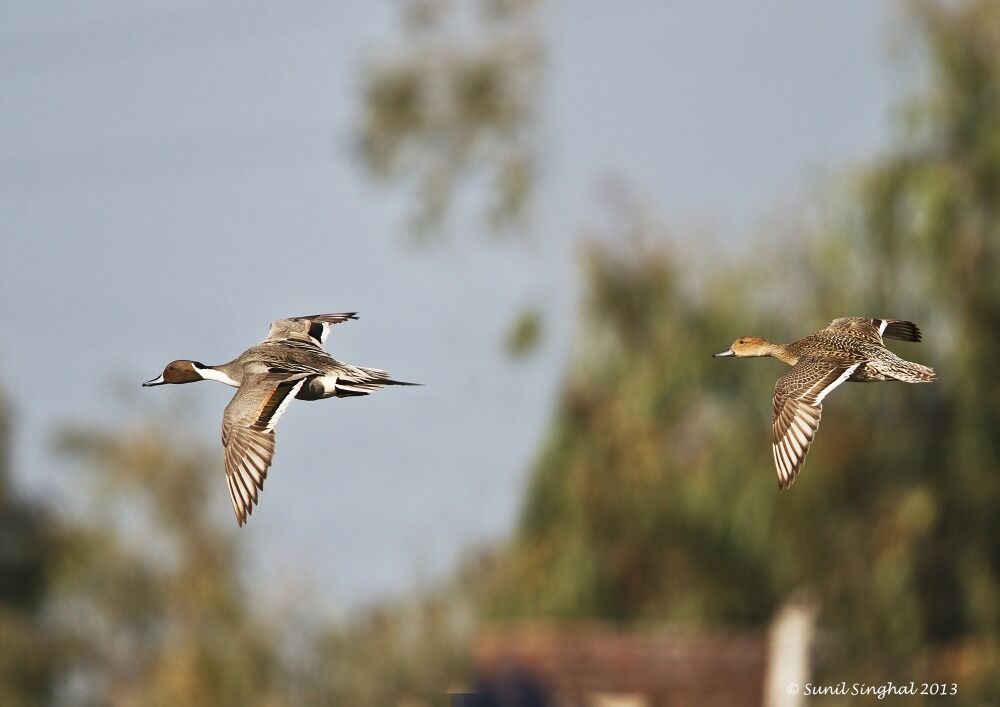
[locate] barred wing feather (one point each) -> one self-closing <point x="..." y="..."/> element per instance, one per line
<point x="248" y="434"/>
<point x="798" y="408"/>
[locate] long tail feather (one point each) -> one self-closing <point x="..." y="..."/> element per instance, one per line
<point x="915" y="373"/>
<point x="362" y="381"/>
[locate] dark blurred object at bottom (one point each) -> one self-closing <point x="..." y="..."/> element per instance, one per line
<point x="506" y="688"/>
<point x="594" y="663"/>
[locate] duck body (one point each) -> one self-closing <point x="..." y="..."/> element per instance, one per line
<point x="877" y="363"/>
<point x="289" y="364"/>
<point x="324" y="376"/>
<point x="848" y="349"/>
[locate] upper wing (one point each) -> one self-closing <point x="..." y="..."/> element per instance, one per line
<point x="874" y="330"/>
<point x="312" y="327"/>
<point x="248" y="434"/>
<point x="798" y="407"/>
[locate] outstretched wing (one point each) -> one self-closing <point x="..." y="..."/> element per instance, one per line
<point x="248" y="434"/>
<point x="798" y="407"/>
<point x="313" y="327"/>
<point x="874" y="330"/>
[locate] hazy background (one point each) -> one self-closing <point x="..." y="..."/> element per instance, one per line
<point x="174" y="176"/>
<point x="550" y="214"/>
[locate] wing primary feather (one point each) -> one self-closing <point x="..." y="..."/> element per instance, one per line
<point x="798" y="408"/>
<point x="248" y="434"/>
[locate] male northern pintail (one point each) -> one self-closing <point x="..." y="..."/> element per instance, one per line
<point x="289" y="363"/>
<point x="849" y="349"/>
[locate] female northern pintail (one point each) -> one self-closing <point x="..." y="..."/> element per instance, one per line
<point x="849" y="349"/>
<point x="289" y="363"/>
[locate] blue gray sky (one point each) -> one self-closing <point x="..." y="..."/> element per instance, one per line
<point x="175" y="175"/>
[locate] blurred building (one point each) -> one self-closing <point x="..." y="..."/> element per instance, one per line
<point x="603" y="665"/>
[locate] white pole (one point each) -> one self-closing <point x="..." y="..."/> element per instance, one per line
<point x="788" y="663"/>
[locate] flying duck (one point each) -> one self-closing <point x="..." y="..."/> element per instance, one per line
<point x="290" y="363"/>
<point x="848" y="349"/>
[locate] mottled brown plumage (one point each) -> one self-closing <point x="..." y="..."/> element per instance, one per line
<point x="848" y="349"/>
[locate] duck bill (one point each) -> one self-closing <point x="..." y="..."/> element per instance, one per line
<point x="723" y="354"/>
<point x="156" y="381"/>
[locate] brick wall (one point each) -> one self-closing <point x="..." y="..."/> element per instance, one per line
<point x="668" y="667"/>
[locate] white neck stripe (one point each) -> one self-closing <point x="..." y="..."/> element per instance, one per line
<point x="213" y="374"/>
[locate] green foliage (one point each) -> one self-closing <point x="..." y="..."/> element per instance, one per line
<point x="28" y="543"/>
<point x="655" y="494"/>
<point x="140" y="599"/>
<point x="452" y="107"/>
<point x="156" y="610"/>
<point x="641" y="453"/>
<point x="412" y="650"/>
<point x="525" y="334"/>
<point x="152" y="602"/>
<point x="654" y="497"/>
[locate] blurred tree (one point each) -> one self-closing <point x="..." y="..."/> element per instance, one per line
<point x="148" y="588"/>
<point x="407" y="652"/>
<point x="28" y="543"/>
<point x="456" y="103"/>
<point x="525" y="333"/>
<point x="149" y="605"/>
<point x="654" y="496"/>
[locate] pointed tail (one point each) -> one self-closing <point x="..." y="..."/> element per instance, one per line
<point x="915" y="373"/>
<point x="362" y="381"/>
